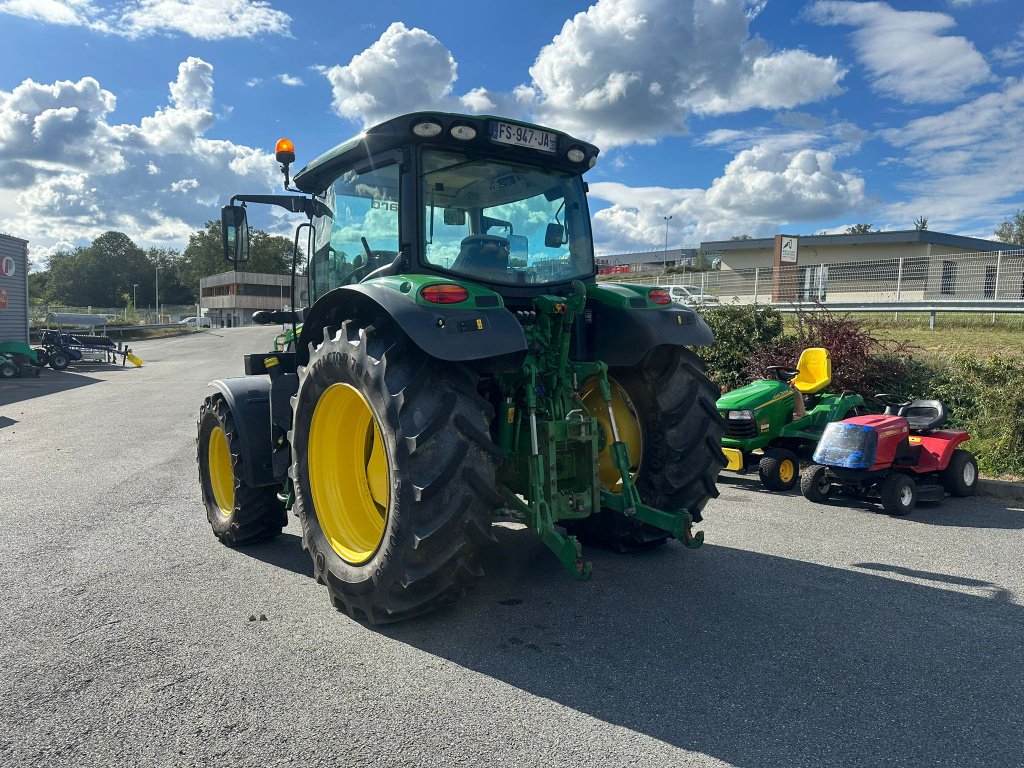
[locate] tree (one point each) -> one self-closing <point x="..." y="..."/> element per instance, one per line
<point x="38" y="287"/>
<point x="1012" y="229"/>
<point x="99" y="274"/>
<point x="859" y="229"/>
<point x="741" y="237"/>
<point x="921" y="223"/>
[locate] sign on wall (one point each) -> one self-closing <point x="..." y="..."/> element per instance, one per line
<point x="3" y="299"/>
<point x="7" y="266"/>
<point x="788" y="249"/>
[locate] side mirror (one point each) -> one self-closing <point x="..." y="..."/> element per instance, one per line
<point x="455" y="217"/>
<point x="554" y="236"/>
<point x="234" y="233"/>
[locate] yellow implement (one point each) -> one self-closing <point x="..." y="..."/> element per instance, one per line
<point x="136" y="361"/>
<point x="734" y="459"/>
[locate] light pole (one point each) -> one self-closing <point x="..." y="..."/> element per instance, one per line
<point x="158" y="291"/>
<point x="666" y="238"/>
<point x="135" y="296"/>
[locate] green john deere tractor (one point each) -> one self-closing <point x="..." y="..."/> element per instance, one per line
<point x="458" y="361"/>
<point x="774" y="422"/>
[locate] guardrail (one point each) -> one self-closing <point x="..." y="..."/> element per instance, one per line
<point x="983" y="306"/>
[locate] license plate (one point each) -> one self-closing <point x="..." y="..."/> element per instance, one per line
<point x="521" y="136"/>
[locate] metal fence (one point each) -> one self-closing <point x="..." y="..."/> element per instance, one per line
<point x="169" y="313"/>
<point x="996" y="276"/>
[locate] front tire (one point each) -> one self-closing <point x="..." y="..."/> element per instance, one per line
<point x="672" y="405"/>
<point x="779" y="469"/>
<point x="960" y="477"/>
<point x="394" y="472"/>
<point x="899" y="495"/>
<point x="814" y="484"/>
<point x="238" y="513"/>
<point x="59" y="361"/>
<point x="8" y="370"/>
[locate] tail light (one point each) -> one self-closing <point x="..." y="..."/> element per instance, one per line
<point x="659" y="296"/>
<point x="444" y="293"/>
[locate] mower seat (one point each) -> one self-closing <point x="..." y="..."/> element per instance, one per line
<point x="814" y="371"/>
<point x="924" y="415"/>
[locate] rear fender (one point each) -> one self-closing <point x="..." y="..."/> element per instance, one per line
<point x="625" y="325"/>
<point x="479" y="328"/>
<point x="248" y="397"/>
<point x="940" y="445"/>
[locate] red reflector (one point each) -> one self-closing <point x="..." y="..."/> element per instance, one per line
<point x="659" y="296"/>
<point x="444" y="293"/>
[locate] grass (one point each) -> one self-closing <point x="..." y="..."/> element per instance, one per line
<point x="954" y="332"/>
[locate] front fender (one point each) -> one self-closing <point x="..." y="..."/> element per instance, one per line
<point x="248" y="397"/>
<point x="474" y="330"/>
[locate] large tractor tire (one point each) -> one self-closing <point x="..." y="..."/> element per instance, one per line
<point x="394" y="472"/>
<point x="238" y="513"/>
<point x="666" y="406"/>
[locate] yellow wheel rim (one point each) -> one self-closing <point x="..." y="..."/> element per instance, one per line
<point x="348" y="473"/>
<point x="628" y="422"/>
<point x="786" y="471"/>
<point x="222" y="477"/>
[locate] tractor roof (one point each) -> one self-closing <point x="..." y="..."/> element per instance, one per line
<point x="398" y="132"/>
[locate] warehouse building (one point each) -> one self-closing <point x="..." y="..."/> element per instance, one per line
<point x="13" y="289"/>
<point x="230" y="298"/>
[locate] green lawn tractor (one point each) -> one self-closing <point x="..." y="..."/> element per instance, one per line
<point x="773" y="423"/>
<point x="458" y="361"/>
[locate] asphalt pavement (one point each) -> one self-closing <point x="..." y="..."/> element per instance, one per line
<point x="798" y="635"/>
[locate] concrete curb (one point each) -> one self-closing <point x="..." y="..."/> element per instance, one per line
<point x="1003" y="489"/>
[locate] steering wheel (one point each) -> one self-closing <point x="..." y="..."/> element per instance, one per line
<point x="892" y="401"/>
<point x="782" y="373"/>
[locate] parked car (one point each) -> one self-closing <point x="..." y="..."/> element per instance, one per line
<point x="690" y="294"/>
<point x="199" y="322"/>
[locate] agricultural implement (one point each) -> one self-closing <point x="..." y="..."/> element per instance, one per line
<point x="72" y="342"/>
<point x="899" y="458"/>
<point x="458" y="361"/>
<point x="773" y="423"/>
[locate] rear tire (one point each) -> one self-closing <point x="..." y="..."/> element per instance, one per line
<point x="238" y="513"/>
<point x="899" y="495"/>
<point x="814" y="484"/>
<point x="682" y="447"/>
<point x="439" y="495"/>
<point x="8" y="370"/>
<point x="59" y="361"/>
<point x="960" y="477"/>
<point x="779" y="469"/>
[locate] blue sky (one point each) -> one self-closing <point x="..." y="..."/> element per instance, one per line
<point x="732" y="116"/>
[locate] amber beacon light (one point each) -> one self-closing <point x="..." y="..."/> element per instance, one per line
<point x="285" y="151"/>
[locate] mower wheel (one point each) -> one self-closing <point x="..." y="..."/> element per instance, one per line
<point x="42" y="357"/>
<point x="394" y="472"/>
<point x="238" y="513"/>
<point x="671" y="404"/>
<point x="8" y="370"/>
<point x="899" y="494"/>
<point x="960" y="477"/>
<point x="59" y="361"/>
<point x="814" y="484"/>
<point x="779" y="469"/>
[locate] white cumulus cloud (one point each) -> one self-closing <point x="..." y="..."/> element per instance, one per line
<point x="906" y="53"/>
<point x="405" y="70"/>
<point x="761" y="188"/>
<point x="72" y="174"/>
<point x="622" y="72"/>
<point x="201" y="19"/>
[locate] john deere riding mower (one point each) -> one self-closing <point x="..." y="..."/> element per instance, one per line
<point x="458" y="361"/>
<point x="772" y="423"/>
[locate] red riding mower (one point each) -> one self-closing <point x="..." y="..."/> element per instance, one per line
<point x="900" y="456"/>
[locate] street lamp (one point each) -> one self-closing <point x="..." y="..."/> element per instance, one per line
<point x="158" y="292"/>
<point x="666" y="237"/>
<point x="135" y="296"/>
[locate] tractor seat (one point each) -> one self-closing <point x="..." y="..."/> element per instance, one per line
<point x="924" y="415"/>
<point x="814" y="371"/>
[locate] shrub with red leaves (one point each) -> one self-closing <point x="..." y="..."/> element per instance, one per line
<point x="860" y="362"/>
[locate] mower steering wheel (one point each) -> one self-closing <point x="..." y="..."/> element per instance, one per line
<point x="892" y="401"/>
<point x="782" y="373"/>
